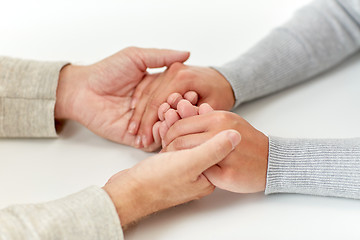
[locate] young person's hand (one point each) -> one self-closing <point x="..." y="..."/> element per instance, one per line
<point x="99" y="96"/>
<point x="168" y="179"/>
<point x="244" y="170"/>
<point x="209" y="84"/>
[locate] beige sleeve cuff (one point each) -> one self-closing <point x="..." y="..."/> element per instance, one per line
<point x="89" y="214"/>
<point x="27" y="97"/>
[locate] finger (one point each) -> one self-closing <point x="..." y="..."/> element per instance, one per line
<point x="155" y="58"/>
<point x="192" y="97"/>
<point x="186" y="109"/>
<point x="138" y="143"/>
<point x="156" y="134"/>
<point x="163" y="128"/>
<point x="162" y="110"/>
<point x="188" y="141"/>
<point x="212" y="151"/>
<point x="205" y="108"/>
<point x="141" y="105"/>
<point x="141" y="87"/>
<point x="174" y="99"/>
<point x="152" y="147"/>
<point x="214" y="175"/>
<point x="186" y="126"/>
<point x="150" y="116"/>
<point x="171" y="116"/>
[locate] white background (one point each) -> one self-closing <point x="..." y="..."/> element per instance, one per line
<point x="215" y="32"/>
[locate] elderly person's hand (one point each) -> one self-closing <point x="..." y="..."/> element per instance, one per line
<point x="99" y="96"/>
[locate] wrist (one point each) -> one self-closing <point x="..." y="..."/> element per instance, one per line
<point x="70" y="78"/>
<point x="128" y="198"/>
<point x="224" y="85"/>
<point x="265" y="154"/>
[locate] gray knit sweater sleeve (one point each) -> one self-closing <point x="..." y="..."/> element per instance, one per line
<point x="326" y="167"/>
<point x="27" y="100"/>
<point x="317" y="38"/>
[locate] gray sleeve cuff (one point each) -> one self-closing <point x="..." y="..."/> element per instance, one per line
<point x="317" y="38"/>
<point x="89" y="214"/>
<point x="325" y="167"/>
<point x="27" y="97"/>
<point x="264" y="69"/>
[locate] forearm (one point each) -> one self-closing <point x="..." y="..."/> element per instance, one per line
<point x="89" y="214"/>
<point x="326" y="167"/>
<point x="317" y="38"/>
<point x="27" y="97"/>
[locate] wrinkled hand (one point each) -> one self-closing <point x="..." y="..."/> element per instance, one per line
<point x="99" y="96"/>
<point x="210" y="85"/>
<point x="244" y="170"/>
<point x="168" y="179"/>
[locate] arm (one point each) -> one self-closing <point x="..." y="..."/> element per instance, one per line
<point x="27" y="97"/>
<point x="325" y="167"/>
<point x="317" y="38"/>
<point x="97" y="96"/>
<point x="89" y="214"/>
<point x="32" y="93"/>
<point x="128" y="195"/>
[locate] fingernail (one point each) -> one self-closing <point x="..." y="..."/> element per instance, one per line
<point x="144" y="141"/>
<point x="137" y="141"/>
<point x="132" y="127"/>
<point x="133" y="103"/>
<point x="163" y="144"/>
<point x="234" y="137"/>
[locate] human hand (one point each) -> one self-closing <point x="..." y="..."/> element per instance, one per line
<point x="168" y="179"/>
<point x="99" y="95"/>
<point x="244" y="170"/>
<point x="210" y="85"/>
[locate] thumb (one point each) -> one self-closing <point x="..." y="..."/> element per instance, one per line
<point x="155" y="58"/>
<point x="212" y="151"/>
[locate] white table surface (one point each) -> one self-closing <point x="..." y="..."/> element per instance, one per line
<point x="36" y="170"/>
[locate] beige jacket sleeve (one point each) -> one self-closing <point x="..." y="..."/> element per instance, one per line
<point x="89" y="214"/>
<point x="27" y="100"/>
<point x="27" y="97"/>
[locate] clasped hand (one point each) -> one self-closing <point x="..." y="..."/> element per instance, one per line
<point x="99" y="96"/>
<point x="118" y="99"/>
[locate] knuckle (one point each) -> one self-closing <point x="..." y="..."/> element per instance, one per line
<point x="178" y="144"/>
<point x="222" y="117"/>
<point x="184" y="74"/>
<point x="130" y="49"/>
<point x="175" y="67"/>
<point x="136" y="56"/>
<point x="172" y="132"/>
<point x="219" y="118"/>
<point x="152" y="148"/>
